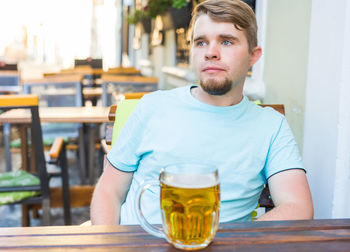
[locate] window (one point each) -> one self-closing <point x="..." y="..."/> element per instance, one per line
<point x="182" y="46"/>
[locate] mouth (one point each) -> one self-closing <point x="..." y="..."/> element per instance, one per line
<point x="212" y="69"/>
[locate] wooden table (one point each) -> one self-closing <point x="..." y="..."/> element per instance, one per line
<point x="59" y="114"/>
<point x="311" y="235"/>
<point x="86" y="115"/>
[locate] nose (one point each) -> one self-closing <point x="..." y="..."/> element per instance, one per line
<point x="213" y="52"/>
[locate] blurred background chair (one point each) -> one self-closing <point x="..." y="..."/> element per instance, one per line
<point x="57" y="91"/>
<point x="60" y="91"/>
<point x="92" y="75"/>
<point x="9" y="82"/>
<point x="126" y="106"/>
<point x="32" y="186"/>
<point x="8" y="67"/>
<point x="94" y="63"/>
<point x="115" y="86"/>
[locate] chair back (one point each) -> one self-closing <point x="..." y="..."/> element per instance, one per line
<point x="57" y="91"/>
<point x="113" y="85"/>
<point x="125" y="109"/>
<point x="277" y="107"/>
<point x="9" y="82"/>
<point x="123" y="112"/>
<point x="31" y="102"/>
<point x="9" y="78"/>
<point x="38" y="161"/>
<point x="94" y="63"/>
<point x="138" y="95"/>
<point x="8" y="67"/>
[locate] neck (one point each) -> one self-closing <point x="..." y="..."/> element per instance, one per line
<point x="234" y="96"/>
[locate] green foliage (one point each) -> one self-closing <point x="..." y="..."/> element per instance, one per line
<point x="178" y="4"/>
<point x="136" y="17"/>
<point x="155" y="8"/>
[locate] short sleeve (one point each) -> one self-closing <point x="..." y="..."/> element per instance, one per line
<point x="123" y="154"/>
<point x="283" y="153"/>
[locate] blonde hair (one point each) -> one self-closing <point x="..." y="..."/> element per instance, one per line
<point x="233" y="11"/>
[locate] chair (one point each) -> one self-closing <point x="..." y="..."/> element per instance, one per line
<point x="9" y="82"/>
<point x="90" y="75"/>
<point x="135" y="95"/>
<point x="8" y="67"/>
<point x="57" y="91"/>
<point x="37" y="190"/>
<point x="127" y="107"/>
<point x="94" y="63"/>
<point x="115" y="84"/>
<point x="60" y="91"/>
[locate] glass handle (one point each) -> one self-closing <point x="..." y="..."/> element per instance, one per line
<point x="153" y="230"/>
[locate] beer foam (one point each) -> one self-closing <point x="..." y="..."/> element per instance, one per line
<point x="190" y="180"/>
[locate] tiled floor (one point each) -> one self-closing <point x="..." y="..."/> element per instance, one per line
<point x="10" y="216"/>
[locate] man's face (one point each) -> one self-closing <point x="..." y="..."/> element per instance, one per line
<point x="220" y="55"/>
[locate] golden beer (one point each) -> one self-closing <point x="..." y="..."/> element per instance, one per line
<point x="190" y="208"/>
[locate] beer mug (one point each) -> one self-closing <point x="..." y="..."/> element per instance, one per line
<point x="189" y="202"/>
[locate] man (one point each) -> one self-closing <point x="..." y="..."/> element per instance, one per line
<point x="210" y="123"/>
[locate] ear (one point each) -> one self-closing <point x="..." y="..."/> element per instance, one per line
<point x="255" y="55"/>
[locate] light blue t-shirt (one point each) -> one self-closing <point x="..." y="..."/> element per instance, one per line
<point x="247" y="143"/>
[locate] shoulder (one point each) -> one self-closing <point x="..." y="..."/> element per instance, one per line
<point x="158" y="101"/>
<point x="265" y="113"/>
<point x="267" y="118"/>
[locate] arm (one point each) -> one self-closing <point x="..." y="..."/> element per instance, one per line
<point x="108" y="196"/>
<point x="291" y="195"/>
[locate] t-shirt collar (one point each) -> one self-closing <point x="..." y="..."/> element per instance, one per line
<point x="239" y="106"/>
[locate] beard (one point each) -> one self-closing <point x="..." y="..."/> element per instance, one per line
<point x="215" y="87"/>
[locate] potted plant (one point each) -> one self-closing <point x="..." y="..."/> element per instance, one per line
<point x="154" y="8"/>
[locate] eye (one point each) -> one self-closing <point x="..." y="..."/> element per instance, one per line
<point x="200" y="43"/>
<point x="226" y="42"/>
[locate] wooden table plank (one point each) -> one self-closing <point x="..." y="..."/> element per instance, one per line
<point x="129" y="79"/>
<point x="262" y="226"/>
<point x="61" y="79"/>
<point x="139" y="239"/>
<point x="59" y="114"/>
<point x="58" y="230"/>
<point x="319" y="235"/>
<point x="268" y="248"/>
